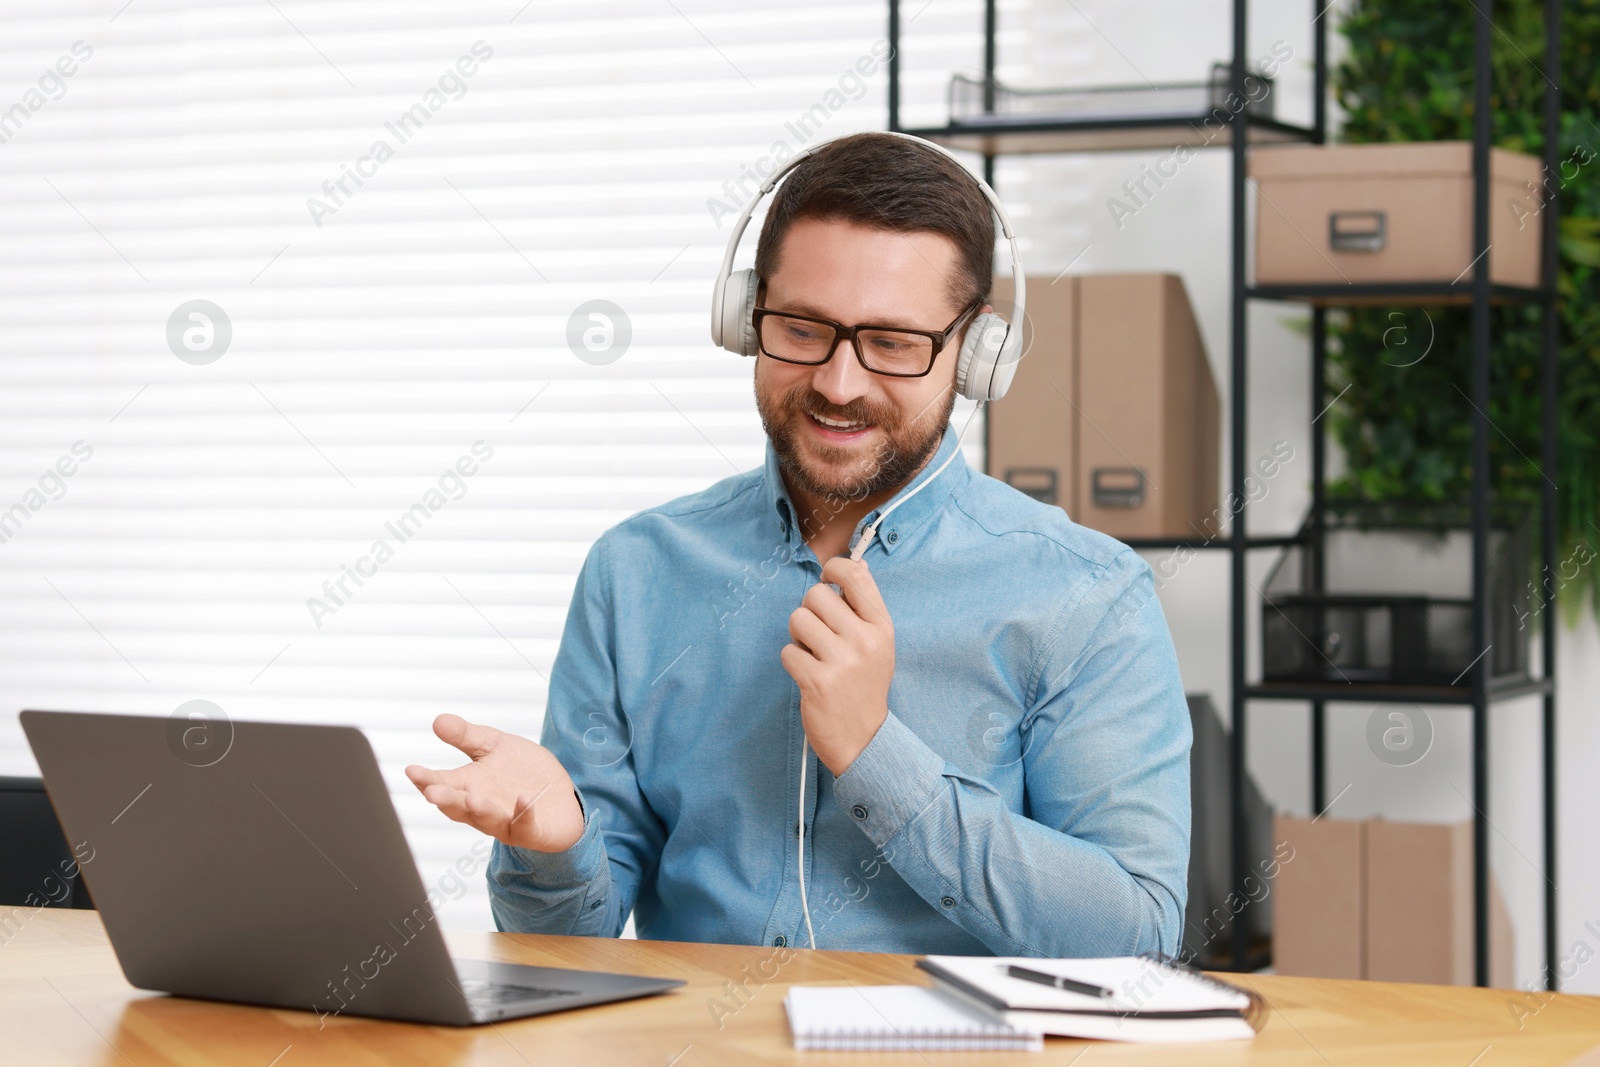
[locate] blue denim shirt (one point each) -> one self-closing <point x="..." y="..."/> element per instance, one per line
<point x="1027" y="795"/>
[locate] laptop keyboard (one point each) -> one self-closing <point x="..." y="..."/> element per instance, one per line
<point x="481" y="994"/>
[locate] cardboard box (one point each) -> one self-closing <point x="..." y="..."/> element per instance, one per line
<point x="1319" y="898"/>
<point x="1387" y="901"/>
<point x="1419" y="906"/>
<point x="1390" y="213"/>
<point x="1114" y="414"/>
<point x="1033" y="428"/>
<point x="1148" y="433"/>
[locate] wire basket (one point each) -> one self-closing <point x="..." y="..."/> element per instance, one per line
<point x="1395" y="604"/>
<point x="1185" y="100"/>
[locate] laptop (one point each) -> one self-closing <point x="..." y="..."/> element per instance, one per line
<point x="263" y="863"/>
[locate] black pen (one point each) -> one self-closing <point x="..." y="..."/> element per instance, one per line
<point x="1071" y="985"/>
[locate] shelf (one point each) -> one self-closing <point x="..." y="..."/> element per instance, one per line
<point x="1358" y="293"/>
<point x="999" y="129"/>
<point x="1379" y="693"/>
<point x="1219" y="542"/>
<point x="1010" y="135"/>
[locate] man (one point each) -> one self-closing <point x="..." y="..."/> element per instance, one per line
<point x="999" y="731"/>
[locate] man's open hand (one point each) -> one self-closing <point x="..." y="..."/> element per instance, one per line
<point x="514" y="790"/>
<point x="842" y="658"/>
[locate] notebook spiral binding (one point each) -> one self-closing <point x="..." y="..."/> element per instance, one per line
<point x="997" y="1037"/>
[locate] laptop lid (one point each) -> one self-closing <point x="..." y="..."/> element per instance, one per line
<point x="288" y="881"/>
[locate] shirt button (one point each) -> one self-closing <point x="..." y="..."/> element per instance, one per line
<point x="859" y="812"/>
<point x="780" y="941"/>
<point x="797" y="829"/>
<point x="892" y="538"/>
<point x="948" y="902"/>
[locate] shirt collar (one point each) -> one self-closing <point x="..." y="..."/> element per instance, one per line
<point x="907" y="518"/>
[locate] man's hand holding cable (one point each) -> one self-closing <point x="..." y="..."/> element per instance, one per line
<point x="842" y="658"/>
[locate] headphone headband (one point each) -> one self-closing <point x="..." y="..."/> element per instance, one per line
<point x="992" y="374"/>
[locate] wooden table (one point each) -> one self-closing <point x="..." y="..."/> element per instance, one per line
<point x="63" y="1000"/>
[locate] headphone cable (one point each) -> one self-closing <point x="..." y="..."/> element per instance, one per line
<point x="870" y="532"/>
<point x="805" y="742"/>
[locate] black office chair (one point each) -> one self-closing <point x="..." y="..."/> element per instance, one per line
<point x="36" y="864"/>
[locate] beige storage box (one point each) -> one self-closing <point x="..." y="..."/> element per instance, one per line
<point x="1319" y="897"/>
<point x="1419" y="906"/>
<point x="1113" y="414"/>
<point x="1390" y="213"/>
<point x="1387" y="901"/>
<point x="1148" y="429"/>
<point x="1033" y="428"/>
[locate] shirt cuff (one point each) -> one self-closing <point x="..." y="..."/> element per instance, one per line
<point x="577" y="865"/>
<point x="892" y="780"/>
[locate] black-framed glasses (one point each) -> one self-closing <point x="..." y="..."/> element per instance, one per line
<point x="891" y="350"/>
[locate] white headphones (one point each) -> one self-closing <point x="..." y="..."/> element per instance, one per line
<point x="989" y="352"/>
<point x="984" y="369"/>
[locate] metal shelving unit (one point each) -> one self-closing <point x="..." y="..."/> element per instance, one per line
<point x="998" y="135"/>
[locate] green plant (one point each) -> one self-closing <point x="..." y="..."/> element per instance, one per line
<point x="1405" y="430"/>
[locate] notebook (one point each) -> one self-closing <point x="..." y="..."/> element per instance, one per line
<point x="1155" y="1000"/>
<point x="895" y="1018"/>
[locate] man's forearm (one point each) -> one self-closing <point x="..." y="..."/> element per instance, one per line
<point x="1022" y="888"/>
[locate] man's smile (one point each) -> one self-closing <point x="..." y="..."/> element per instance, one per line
<point x="838" y="430"/>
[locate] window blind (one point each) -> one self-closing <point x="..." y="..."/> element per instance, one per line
<point x="304" y="409"/>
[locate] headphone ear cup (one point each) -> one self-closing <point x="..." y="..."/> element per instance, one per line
<point x="738" y="302"/>
<point x="980" y="374"/>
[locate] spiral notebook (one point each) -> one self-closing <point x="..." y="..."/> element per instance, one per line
<point x="895" y="1018"/>
<point x="1152" y="999"/>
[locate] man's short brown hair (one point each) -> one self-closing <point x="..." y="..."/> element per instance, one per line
<point x="888" y="183"/>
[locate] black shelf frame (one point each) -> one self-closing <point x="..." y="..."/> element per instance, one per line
<point x="1016" y="137"/>
<point x="1347" y="294"/>
<point x="1508" y="688"/>
<point x="1244" y="129"/>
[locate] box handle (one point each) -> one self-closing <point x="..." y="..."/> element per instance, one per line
<point x="1037" y="482"/>
<point x="1117" y="487"/>
<point x="1356" y="231"/>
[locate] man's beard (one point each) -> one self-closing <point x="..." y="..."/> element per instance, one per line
<point x="889" y="462"/>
